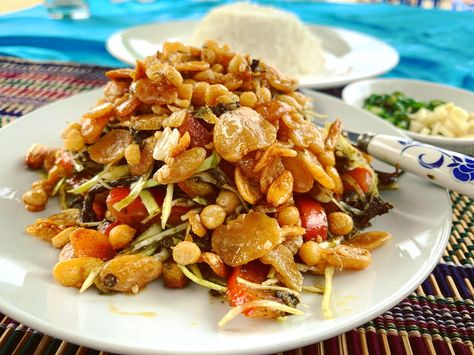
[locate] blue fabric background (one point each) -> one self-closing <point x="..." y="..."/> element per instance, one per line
<point x="435" y="45"/>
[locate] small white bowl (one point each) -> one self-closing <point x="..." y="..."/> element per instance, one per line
<point x="354" y="94"/>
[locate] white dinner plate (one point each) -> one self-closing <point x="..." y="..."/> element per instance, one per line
<point x="349" y="55"/>
<point x="185" y="321"/>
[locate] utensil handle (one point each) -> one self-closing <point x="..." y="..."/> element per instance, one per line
<point x="452" y="170"/>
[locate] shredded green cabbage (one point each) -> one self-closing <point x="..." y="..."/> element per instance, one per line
<point x="201" y="201"/>
<point x="90" y="279"/>
<point x="201" y="281"/>
<point x="328" y="274"/>
<point x="150" y="183"/>
<point x="154" y="229"/>
<point x="58" y="185"/>
<point x="210" y="162"/>
<point x="267" y="287"/>
<point x="133" y="194"/>
<point x="150" y="204"/>
<point x="153" y="238"/>
<point x="195" y="270"/>
<point x="313" y="288"/>
<point x="112" y="173"/>
<point x="234" y="312"/>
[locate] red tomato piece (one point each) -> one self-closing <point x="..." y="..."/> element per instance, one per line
<point x="99" y="210"/>
<point x="200" y="136"/>
<point x="133" y="213"/>
<point x="176" y="213"/>
<point x="136" y="212"/>
<point x="238" y="293"/>
<point x="362" y="177"/>
<point x="313" y="218"/>
<point x="99" y="207"/>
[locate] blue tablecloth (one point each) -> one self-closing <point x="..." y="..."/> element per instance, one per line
<point x="435" y="45"/>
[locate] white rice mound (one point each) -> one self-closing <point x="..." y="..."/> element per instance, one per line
<point x="277" y="37"/>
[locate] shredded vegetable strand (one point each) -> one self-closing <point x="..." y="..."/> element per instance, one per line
<point x="154" y="229"/>
<point x="134" y="193"/>
<point x="63" y="197"/>
<point x="201" y="281"/>
<point x="234" y="312"/>
<point x="313" y="288"/>
<point x="267" y="287"/>
<point x="157" y="237"/>
<point x="150" y="204"/>
<point x="195" y="270"/>
<point x="167" y="204"/>
<point x="328" y="274"/>
<point x="210" y="162"/>
<point x="90" y="279"/>
<point x="58" y="186"/>
<point x="113" y="173"/>
<point x="162" y="255"/>
<point x="150" y="183"/>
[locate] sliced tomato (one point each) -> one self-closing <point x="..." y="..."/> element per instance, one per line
<point x="199" y="134"/>
<point x="313" y="218"/>
<point x="99" y="210"/>
<point x="136" y="212"/>
<point x="98" y="206"/>
<point x="238" y="293"/>
<point x="362" y="177"/>
<point x="176" y="213"/>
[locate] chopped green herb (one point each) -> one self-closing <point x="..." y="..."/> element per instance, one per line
<point x="396" y="107"/>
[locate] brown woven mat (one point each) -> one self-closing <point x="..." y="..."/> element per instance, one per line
<point x="437" y="318"/>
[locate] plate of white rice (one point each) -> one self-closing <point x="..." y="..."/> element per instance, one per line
<point x="318" y="56"/>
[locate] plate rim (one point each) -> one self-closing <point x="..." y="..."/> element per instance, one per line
<point x="49" y="329"/>
<point x="116" y="39"/>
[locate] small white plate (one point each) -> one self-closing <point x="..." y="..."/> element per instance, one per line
<point x="185" y="321"/>
<point x="354" y="94"/>
<point x="349" y="55"/>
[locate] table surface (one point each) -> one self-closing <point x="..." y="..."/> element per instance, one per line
<point x="438" y="317"/>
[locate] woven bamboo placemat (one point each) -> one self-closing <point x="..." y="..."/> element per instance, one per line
<point x="437" y="318"/>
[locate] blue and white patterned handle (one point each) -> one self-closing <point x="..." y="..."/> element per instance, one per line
<point x="451" y="170"/>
